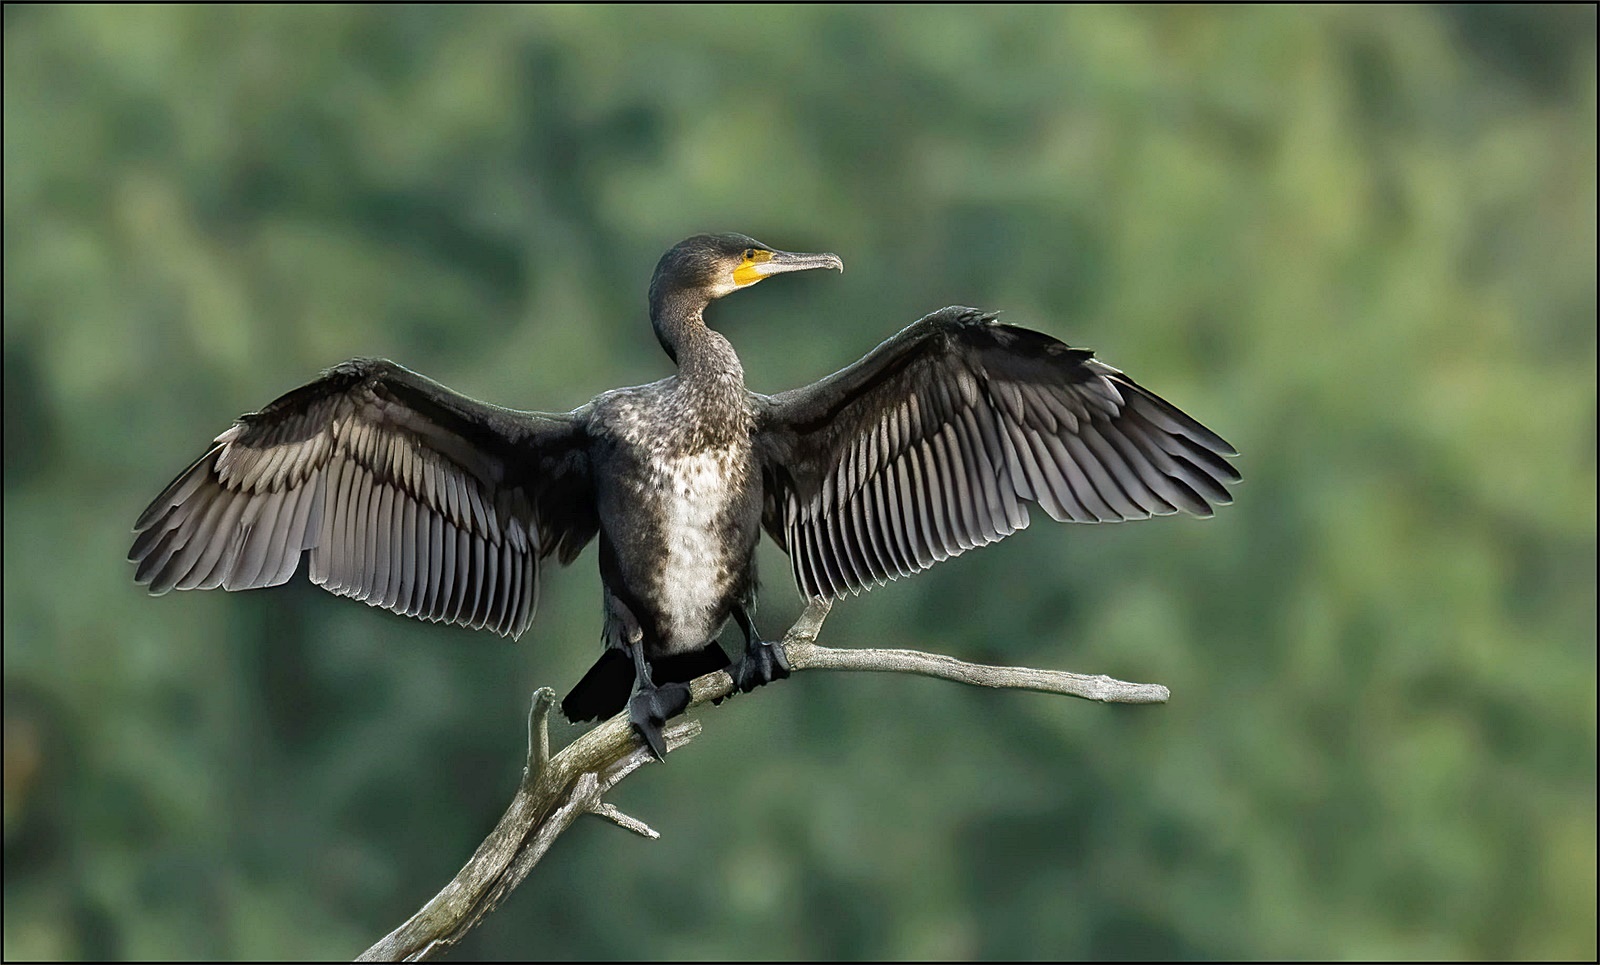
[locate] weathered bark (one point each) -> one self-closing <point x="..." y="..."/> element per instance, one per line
<point x="555" y="791"/>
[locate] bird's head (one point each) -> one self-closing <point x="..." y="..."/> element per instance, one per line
<point x="707" y="267"/>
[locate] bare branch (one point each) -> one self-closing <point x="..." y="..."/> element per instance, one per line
<point x="539" y="730"/>
<point x="1096" y="687"/>
<point x="555" y="791"/>
<point x="613" y="814"/>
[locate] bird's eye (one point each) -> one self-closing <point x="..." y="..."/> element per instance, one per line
<point x="749" y="254"/>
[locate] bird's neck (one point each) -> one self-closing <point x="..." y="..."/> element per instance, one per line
<point x="705" y="359"/>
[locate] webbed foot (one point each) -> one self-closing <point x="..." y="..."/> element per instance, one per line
<point x="652" y="707"/>
<point x="763" y="663"/>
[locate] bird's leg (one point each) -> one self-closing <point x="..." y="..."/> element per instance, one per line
<point x="652" y="705"/>
<point x="762" y="662"/>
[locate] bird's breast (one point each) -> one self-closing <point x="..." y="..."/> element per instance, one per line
<point x="698" y="492"/>
<point x="682" y="526"/>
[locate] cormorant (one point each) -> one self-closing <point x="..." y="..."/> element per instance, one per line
<point x="417" y="499"/>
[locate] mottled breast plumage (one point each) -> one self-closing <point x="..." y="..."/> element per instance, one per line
<point x="684" y="522"/>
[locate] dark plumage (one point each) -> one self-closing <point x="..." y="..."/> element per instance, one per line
<point x="414" y="498"/>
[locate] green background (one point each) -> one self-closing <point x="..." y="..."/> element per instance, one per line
<point x="1360" y="243"/>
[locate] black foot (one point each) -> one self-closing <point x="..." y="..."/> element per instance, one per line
<point x="649" y="709"/>
<point x="762" y="663"/>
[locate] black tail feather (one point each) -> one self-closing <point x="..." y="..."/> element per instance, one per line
<point x="605" y="689"/>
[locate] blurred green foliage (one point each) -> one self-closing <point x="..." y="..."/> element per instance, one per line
<point x="1359" y="242"/>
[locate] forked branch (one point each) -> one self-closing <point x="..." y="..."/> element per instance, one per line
<point x="556" y="791"/>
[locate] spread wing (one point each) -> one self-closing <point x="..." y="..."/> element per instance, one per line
<point x="939" y="438"/>
<point x="403" y="493"/>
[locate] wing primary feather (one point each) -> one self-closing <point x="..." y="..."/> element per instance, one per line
<point x="148" y="537"/>
<point x="1102" y="477"/>
<point x="1124" y="470"/>
<point x="152" y="565"/>
<point x="214" y="540"/>
<point x="1139" y="462"/>
<point x="200" y="524"/>
<point x="1175" y="448"/>
<point x="1165" y="415"/>
<point x="157" y="564"/>
<point x="223" y="549"/>
<point x="253" y="554"/>
<point x="1168" y="474"/>
<point x="1207" y="461"/>
<point x="1083" y="492"/>
<point x="179" y="490"/>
